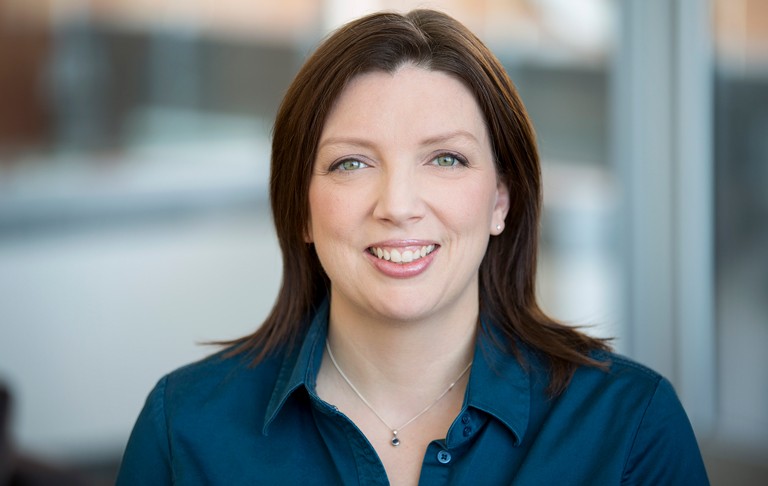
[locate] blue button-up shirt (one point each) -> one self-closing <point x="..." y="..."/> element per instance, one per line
<point x="222" y="422"/>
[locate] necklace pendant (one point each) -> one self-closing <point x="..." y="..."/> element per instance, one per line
<point x="395" y="441"/>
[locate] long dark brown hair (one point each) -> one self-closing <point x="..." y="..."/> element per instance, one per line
<point x="435" y="41"/>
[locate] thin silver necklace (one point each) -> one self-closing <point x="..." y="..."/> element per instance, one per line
<point x="395" y="440"/>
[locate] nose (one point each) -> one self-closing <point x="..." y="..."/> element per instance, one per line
<point x="399" y="198"/>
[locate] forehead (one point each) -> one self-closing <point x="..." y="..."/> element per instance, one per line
<point x="410" y="98"/>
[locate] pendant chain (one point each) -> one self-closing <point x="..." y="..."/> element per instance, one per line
<point x="395" y="440"/>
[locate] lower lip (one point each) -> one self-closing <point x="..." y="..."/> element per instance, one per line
<point x="402" y="270"/>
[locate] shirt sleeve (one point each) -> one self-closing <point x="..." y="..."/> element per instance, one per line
<point x="147" y="457"/>
<point x="664" y="451"/>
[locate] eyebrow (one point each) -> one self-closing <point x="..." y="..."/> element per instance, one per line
<point x="432" y="140"/>
<point x="447" y="137"/>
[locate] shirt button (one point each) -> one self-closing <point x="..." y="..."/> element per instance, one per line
<point x="467" y="431"/>
<point x="465" y="419"/>
<point x="444" y="457"/>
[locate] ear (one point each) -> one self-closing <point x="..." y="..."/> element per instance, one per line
<point x="501" y="207"/>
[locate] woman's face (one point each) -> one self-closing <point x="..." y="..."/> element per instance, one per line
<point x="404" y="196"/>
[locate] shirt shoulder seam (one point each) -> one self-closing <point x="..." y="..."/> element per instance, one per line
<point x="621" y="360"/>
<point x="163" y="389"/>
<point x="642" y="418"/>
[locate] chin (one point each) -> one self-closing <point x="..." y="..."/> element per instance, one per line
<point x="404" y="310"/>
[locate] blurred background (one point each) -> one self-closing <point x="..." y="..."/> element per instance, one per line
<point x="134" y="223"/>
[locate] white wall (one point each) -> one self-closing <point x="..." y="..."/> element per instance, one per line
<point x="91" y="319"/>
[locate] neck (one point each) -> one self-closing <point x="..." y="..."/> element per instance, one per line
<point x="415" y="358"/>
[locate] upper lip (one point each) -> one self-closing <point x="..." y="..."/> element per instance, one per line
<point x="401" y="243"/>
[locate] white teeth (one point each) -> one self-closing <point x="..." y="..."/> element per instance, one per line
<point x="406" y="256"/>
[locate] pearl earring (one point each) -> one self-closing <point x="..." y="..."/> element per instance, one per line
<point x="498" y="227"/>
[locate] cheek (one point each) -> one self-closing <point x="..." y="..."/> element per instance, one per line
<point x="469" y="207"/>
<point x="330" y="214"/>
<point x="317" y="213"/>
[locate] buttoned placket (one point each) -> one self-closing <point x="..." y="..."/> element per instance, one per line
<point x="443" y="455"/>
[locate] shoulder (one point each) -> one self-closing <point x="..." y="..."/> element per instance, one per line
<point x="620" y="365"/>
<point x="635" y="412"/>
<point x="622" y="383"/>
<point x="620" y="393"/>
<point x="221" y="380"/>
<point x="611" y="371"/>
<point x="617" y="370"/>
<point x="621" y="369"/>
<point x="662" y="448"/>
<point x="223" y="395"/>
<point x="183" y="404"/>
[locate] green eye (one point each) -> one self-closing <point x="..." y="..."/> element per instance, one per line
<point x="350" y="164"/>
<point x="446" y="160"/>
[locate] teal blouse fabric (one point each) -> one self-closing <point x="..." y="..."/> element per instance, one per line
<point x="222" y="422"/>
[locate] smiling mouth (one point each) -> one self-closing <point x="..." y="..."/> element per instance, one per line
<point x="401" y="256"/>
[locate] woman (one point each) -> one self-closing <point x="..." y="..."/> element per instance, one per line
<point x="406" y="345"/>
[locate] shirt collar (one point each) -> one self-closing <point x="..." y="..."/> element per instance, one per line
<point x="300" y="367"/>
<point x="498" y="384"/>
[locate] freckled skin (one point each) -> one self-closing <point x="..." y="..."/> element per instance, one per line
<point x="404" y="158"/>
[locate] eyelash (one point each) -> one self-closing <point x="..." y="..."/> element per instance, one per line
<point x="459" y="159"/>
<point x="338" y="166"/>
